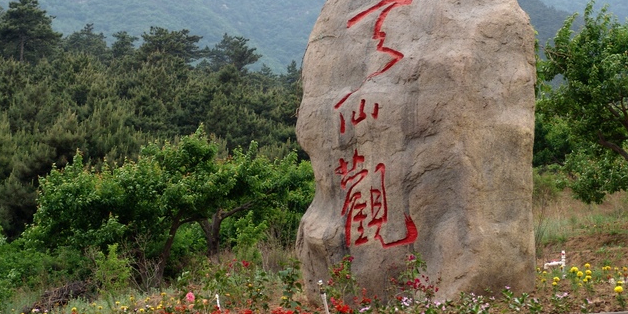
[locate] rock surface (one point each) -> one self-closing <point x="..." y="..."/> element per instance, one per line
<point x="418" y="117"/>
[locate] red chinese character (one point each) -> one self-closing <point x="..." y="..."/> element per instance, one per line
<point x="380" y="36"/>
<point x="356" y="208"/>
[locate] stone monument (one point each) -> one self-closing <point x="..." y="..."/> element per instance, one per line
<point x="418" y="117"/>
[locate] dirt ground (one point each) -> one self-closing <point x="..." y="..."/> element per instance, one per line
<point x="600" y="245"/>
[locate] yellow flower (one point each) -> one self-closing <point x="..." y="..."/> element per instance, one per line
<point x="73" y="309"/>
<point x="579" y="274"/>
<point x="543" y="280"/>
<point x="619" y="289"/>
<point x="283" y="297"/>
<point x="588" y="272"/>
<point x="625" y="268"/>
<point x="587" y="265"/>
<point x="556" y="279"/>
<point x="585" y="280"/>
<point x="573" y="269"/>
<point x="544" y="272"/>
<point x="163" y="294"/>
<point x="554" y="283"/>
<point x="588" y="277"/>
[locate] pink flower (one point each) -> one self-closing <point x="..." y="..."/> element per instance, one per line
<point x="190" y="297"/>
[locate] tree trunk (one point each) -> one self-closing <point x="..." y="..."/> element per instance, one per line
<point x="22" y="42"/>
<point x="165" y="253"/>
<point x="212" y="233"/>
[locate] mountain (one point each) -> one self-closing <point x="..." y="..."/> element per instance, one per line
<point x="278" y="29"/>
<point x="617" y="7"/>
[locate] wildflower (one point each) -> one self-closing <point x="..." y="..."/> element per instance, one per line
<point x="190" y="297"/>
<point x="588" y="272"/>
<point x="74" y="309"/>
<point x="573" y="270"/>
<point x="245" y="264"/>
<point x="619" y="289"/>
<point x="587" y="266"/>
<point x="554" y="283"/>
<point x="163" y="294"/>
<point x="556" y="279"/>
<point x="580" y="274"/>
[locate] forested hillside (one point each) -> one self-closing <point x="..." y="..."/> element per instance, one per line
<point x="617" y="7"/>
<point x="278" y="29"/>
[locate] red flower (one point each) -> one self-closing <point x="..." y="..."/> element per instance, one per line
<point x="245" y="264"/>
<point x="247" y="311"/>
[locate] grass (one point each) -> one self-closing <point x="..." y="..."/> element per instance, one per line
<point x="590" y="234"/>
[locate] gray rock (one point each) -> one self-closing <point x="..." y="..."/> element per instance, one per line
<point x="418" y="117"/>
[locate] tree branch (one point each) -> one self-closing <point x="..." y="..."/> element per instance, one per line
<point x="240" y="208"/>
<point x="612" y="146"/>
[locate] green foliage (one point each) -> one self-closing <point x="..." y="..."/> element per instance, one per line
<point x="173" y="43"/>
<point x="552" y="141"/>
<point x="113" y="273"/>
<point x="232" y="50"/>
<point x="26" y="32"/>
<point x="592" y="101"/>
<point x="170" y="185"/>
<point x="247" y="238"/>
<point x="86" y="41"/>
<point x="290" y="276"/>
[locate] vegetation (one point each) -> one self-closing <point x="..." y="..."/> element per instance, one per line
<point x="154" y="162"/>
<point x="592" y="102"/>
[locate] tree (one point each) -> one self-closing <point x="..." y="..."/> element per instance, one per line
<point x="123" y="46"/>
<point x="232" y="50"/>
<point x="169" y="186"/>
<point x="593" y="101"/>
<point x="26" y="31"/>
<point x="86" y="41"/>
<point x="174" y="43"/>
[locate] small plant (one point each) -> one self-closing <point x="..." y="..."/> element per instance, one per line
<point x="619" y="290"/>
<point x="473" y="304"/>
<point x="291" y="285"/>
<point x="417" y="285"/>
<point x="560" y="301"/>
<point x="342" y="283"/>
<point x="112" y="272"/>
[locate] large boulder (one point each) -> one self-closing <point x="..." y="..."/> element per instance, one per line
<point x="418" y="117"/>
